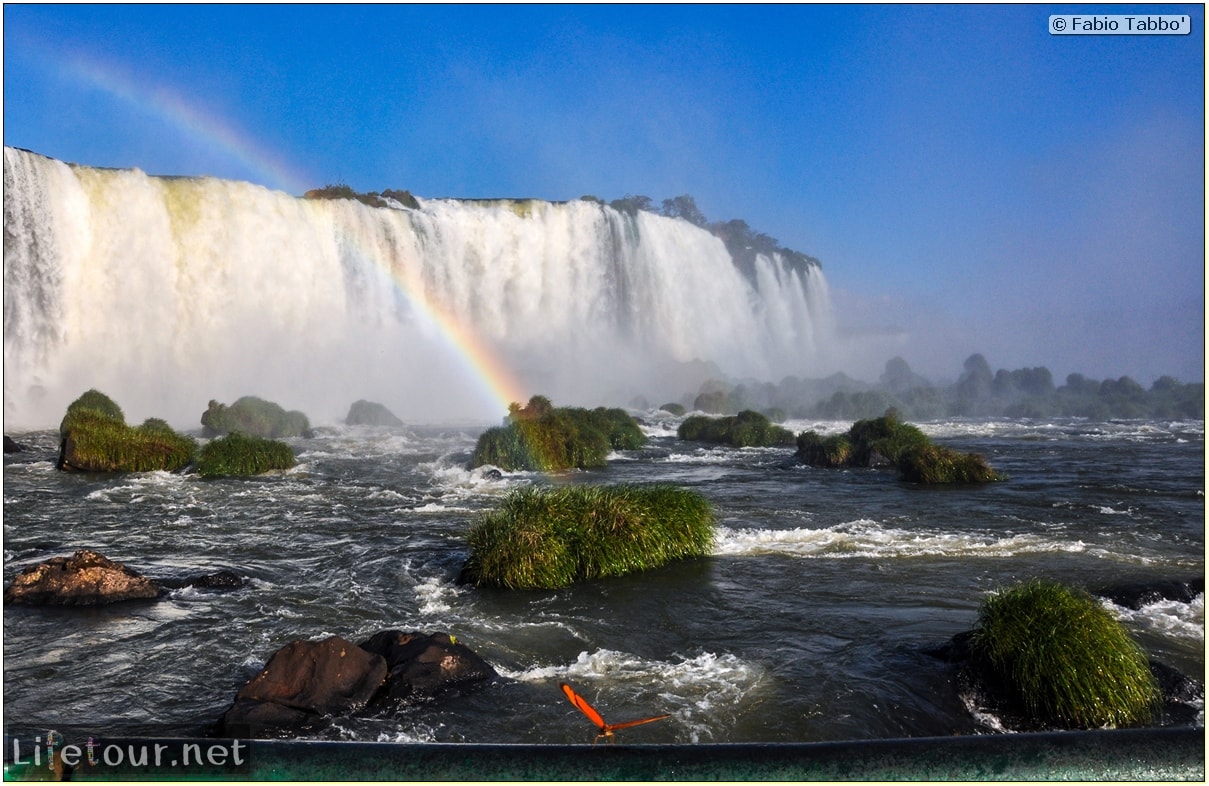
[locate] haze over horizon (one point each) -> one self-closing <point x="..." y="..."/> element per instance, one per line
<point x="970" y="182"/>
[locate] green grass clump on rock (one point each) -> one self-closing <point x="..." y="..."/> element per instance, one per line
<point x="95" y="438"/>
<point x="887" y="441"/>
<point x="546" y="538"/>
<point x="938" y="464"/>
<point x="546" y="438"/>
<point x="243" y="454"/>
<point x="1061" y="656"/>
<point x="95" y="401"/>
<point x="254" y="416"/>
<point x="817" y="451"/>
<point x="747" y="429"/>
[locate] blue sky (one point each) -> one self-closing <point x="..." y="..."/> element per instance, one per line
<point x="969" y="181"/>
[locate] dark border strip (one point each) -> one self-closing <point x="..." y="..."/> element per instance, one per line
<point x="1167" y="754"/>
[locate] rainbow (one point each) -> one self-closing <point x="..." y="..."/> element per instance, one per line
<point x="480" y="360"/>
<point x="205" y="126"/>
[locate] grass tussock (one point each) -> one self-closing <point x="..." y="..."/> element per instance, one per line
<point x="546" y="538"/>
<point x="888" y="442"/>
<point x="834" y="451"/>
<point x="744" y="430"/>
<point x="95" y="438"/>
<point x="92" y="401"/>
<point x="938" y="464"/>
<point x="243" y="454"/>
<point x="541" y="437"/>
<point x="1062" y="657"/>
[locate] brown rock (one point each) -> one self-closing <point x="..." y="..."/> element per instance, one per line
<point x="302" y="684"/>
<point x="86" y="578"/>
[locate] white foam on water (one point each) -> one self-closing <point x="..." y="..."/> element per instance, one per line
<point x="435" y="595"/>
<point x="139" y="486"/>
<point x="866" y="538"/>
<point x="699" y="692"/>
<point x="824" y="428"/>
<point x="702" y="456"/>
<point x="1065" y="429"/>
<point x="984" y="716"/>
<point x="1169" y="618"/>
<point x="451" y="477"/>
<point x="418" y="733"/>
<point x="659" y="424"/>
<point x="436" y="507"/>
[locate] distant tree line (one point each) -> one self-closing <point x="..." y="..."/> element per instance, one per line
<point x="978" y="392"/>
<point x="371" y="198"/>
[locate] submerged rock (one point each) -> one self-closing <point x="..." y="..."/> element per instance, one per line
<point x="306" y="683"/>
<point x="220" y="580"/>
<point x="86" y="578"/>
<point x="1143" y="593"/>
<point x="12" y="446"/>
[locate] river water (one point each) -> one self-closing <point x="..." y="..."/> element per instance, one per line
<point x="809" y="621"/>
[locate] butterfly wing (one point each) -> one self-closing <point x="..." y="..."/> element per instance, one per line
<point x="582" y="704"/>
<point x="628" y="724"/>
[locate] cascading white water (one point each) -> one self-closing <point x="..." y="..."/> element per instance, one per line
<point x="167" y="292"/>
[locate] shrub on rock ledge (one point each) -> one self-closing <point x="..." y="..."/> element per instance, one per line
<point x="254" y="416"/>
<point x="1057" y="655"/>
<point x="888" y="442"/>
<point x="243" y="454"/>
<point x="545" y="538"/>
<point x="95" y="438"/>
<point x="546" y="438"/>
<point x="747" y="429"/>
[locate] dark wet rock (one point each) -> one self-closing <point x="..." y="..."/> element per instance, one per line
<point x="86" y="578"/>
<point x="223" y="579"/>
<point x="220" y="580"/>
<point x="1183" y="697"/>
<point x="307" y="683"/>
<point x="492" y="474"/>
<point x="424" y="666"/>
<point x="1143" y="593"/>
<point x="12" y="446"/>
<point x="303" y="684"/>
<point x="369" y="413"/>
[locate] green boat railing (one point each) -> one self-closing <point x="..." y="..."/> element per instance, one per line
<point x="1159" y="754"/>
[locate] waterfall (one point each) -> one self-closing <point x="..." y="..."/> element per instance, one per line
<point x="166" y="292"/>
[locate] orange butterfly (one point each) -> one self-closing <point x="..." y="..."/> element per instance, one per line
<point x="606" y="729"/>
